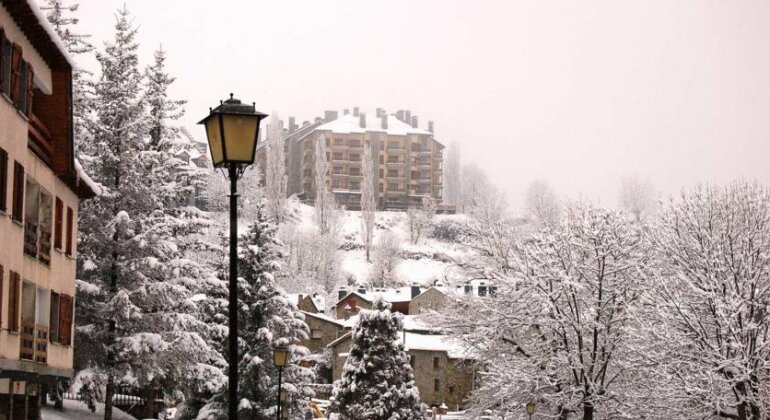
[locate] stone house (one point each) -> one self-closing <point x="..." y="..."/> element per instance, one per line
<point x="322" y="331"/>
<point x="351" y="302"/>
<point x="433" y="299"/>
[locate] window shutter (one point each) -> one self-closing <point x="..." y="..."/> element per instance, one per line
<point x="65" y="320"/>
<point x="18" y="191"/>
<point x="2" y="57"/>
<point x="30" y="88"/>
<point x="16" y="74"/>
<point x="13" y="302"/>
<point x="58" y="221"/>
<point x="3" y="180"/>
<point x="70" y="229"/>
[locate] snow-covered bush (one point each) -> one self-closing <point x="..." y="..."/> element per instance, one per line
<point x="449" y="231"/>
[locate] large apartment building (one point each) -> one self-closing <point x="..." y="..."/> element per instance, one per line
<point x="40" y="188"/>
<point x="407" y="159"/>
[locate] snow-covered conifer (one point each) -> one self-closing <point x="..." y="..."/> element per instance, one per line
<point x="377" y="382"/>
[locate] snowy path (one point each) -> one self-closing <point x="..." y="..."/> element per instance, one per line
<point x="77" y="410"/>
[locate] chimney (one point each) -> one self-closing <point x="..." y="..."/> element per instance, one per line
<point x="415" y="290"/>
<point x="306" y="122"/>
<point x="299" y="299"/>
<point x="341" y="293"/>
<point x="384" y="118"/>
<point x="379" y="112"/>
<point x="430" y="126"/>
<point x="292" y="124"/>
<point x="318" y="119"/>
<point x="355" y="111"/>
<point x="345" y="111"/>
<point x="362" y="119"/>
<point x="330" y="116"/>
<point x="407" y="116"/>
<point x="400" y="115"/>
<point x="414" y="121"/>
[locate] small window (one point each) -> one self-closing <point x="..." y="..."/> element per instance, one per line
<point x="436" y="385"/>
<point x="316" y="333"/>
<point x="451" y="389"/>
<point x="70" y="231"/>
<point x="18" y="192"/>
<point x="54" y="321"/>
<point x="435" y="363"/>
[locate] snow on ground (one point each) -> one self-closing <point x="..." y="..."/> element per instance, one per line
<point x="77" y="410"/>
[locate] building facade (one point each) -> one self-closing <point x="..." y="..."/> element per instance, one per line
<point x="407" y="160"/>
<point x="40" y="188"/>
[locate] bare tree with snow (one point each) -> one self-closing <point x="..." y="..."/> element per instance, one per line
<point x="385" y="260"/>
<point x="327" y="211"/>
<point x="452" y="179"/>
<point x="275" y="171"/>
<point x="557" y="330"/>
<point x="368" y="202"/>
<point x="542" y="204"/>
<point x="637" y="197"/>
<point x="712" y="294"/>
<point x="420" y="218"/>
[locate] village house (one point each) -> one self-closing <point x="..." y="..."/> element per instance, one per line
<point x="41" y="185"/>
<point x="352" y="301"/>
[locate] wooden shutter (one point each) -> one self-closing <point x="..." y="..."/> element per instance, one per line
<point x="3" y="179"/>
<point x="58" y="222"/>
<point x="70" y="230"/>
<point x="16" y="74"/>
<point x="65" y="320"/>
<point x="30" y="87"/>
<point x="18" y="192"/>
<point x="2" y="56"/>
<point x="13" y="302"/>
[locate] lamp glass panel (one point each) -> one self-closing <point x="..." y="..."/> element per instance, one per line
<point x="215" y="140"/>
<point x="280" y="356"/>
<point x="240" y="137"/>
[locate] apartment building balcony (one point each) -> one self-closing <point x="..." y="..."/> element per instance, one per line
<point x="421" y="150"/>
<point x="395" y="163"/>
<point x="355" y="146"/>
<point x="40" y="139"/>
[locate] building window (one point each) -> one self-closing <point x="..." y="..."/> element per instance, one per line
<point x="392" y="186"/>
<point x="339" y="170"/>
<point x="393" y="172"/>
<point x="355" y="171"/>
<point x="54" y="321"/>
<point x="355" y="185"/>
<point x="382" y="187"/>
<point x="338" y="156"/>
<point x="5" y="64"/>
<point x="37" y="226"/>
<point x="18" y="192"/>
<point x="70" y="230"/>
<point x="3" y="179"/>
<point x="393" y="145"/>
<point x="355" y="157"/>
<point x="436" y="385"/>
<point x="316" y="334"/>
<point x="482" y="290"/>
<point x="435" y="363"/>
<point x="451" y="389"/>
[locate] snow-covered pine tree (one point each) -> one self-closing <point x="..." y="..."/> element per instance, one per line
<point x="268" y="319"/>
<point x="377" y="382"/>
<point x="135" y="318"/>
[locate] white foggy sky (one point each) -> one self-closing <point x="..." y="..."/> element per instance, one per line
<point x="580" y="93"/>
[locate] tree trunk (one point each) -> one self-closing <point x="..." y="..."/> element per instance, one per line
<point x="108" y="397"/>
<point x="588" y="411"/>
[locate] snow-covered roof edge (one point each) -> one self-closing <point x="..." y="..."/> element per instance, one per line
<point x="323" y="317"/>
<point x="83" y="176"/>
<point x="46" y="25"/>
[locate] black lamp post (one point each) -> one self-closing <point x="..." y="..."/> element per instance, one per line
<point x="280" y="359"/>
<point x="232" y="130"/>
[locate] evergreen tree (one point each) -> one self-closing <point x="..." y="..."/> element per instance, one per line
<point x="377" y="381"/>
<point x="136" y="309"/>
<point x="268" y="319"/>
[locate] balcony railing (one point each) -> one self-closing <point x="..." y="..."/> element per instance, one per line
<point x="40" y="138"/>
<point x="44" y="250"/>
<point x="30" y="237"/>
<point x="27" y="342"/>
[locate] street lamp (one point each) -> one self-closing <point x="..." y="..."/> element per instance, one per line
<point x="530" y="409"/>
<point x="232" y="130"/>
<point x="280" y="359"/>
